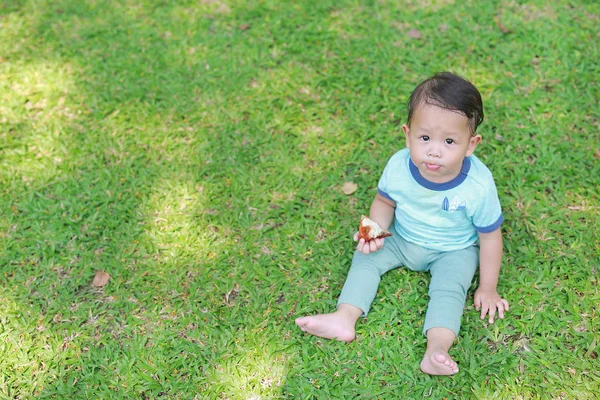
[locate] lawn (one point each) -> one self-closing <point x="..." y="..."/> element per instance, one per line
<point x="196" y="152"/>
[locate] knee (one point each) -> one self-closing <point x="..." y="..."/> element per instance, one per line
<point x="454" y="292"/>
<point x="365" y="268"/>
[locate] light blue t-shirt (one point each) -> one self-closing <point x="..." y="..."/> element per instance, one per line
<point x="441" y="216"/>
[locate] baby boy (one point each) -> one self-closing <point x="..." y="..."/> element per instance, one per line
<point x="441" y="205"/>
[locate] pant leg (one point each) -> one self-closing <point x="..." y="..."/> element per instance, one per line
<point x="365" y="274"/>
<point x="451" y="276"/>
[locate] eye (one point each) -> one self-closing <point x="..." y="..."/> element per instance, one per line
<point x="425" y="138"/>
<point x="449" y="141"/>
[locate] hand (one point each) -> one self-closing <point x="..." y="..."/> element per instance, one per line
<point x="489" y="302"/>
<point x="368" y="247"/>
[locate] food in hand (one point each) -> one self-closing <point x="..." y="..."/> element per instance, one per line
<point x="369" y="230"/>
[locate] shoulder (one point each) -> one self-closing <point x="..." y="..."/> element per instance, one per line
<point x="395" y="169"/>
<point x="400" y="158"/>
<point x="479" y="173"/>
<point x="480" y="180"/>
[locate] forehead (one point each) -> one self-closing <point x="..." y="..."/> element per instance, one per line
<point x="436" y="119"/>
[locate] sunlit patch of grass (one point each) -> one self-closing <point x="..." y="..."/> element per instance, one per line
<point x="35" y="116"/>
<point x="424" y="5"/>
<point x="175" y="225"/>
<point x="248" y="370"/>
<point x="31" y="351"/>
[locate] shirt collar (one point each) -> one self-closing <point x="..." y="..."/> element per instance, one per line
<point x="460" y="178"/>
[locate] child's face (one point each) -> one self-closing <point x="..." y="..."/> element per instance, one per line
<point x="439" y="140"/>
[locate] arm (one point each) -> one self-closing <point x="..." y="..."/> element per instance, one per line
<point x="382" y="212"/>
<point x="490" y="258"/>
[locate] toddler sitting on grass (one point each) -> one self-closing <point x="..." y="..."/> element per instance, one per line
<point x="441" y="205"/>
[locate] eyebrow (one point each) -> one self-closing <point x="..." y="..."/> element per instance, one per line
<point x="445" y="133"/>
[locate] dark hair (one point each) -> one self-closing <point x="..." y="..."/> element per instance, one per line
<point x="451" y="92"/>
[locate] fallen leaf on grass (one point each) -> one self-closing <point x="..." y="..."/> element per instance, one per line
<point x="101" y="279"/>
<point x="232" y="294"/>
<point x="414" y="33"/>
<point x="267" y="251"/>
<point x="502" y="28"/>
<point x="349" y="188"/>
<point x="280" y="299"/>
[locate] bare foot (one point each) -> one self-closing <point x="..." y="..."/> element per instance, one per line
<point x="329" y="326"/>
<point x="438" y="363"/>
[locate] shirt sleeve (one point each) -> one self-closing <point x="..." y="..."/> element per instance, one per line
<point x="488" y="216"/>
<point x="382" y="186"/>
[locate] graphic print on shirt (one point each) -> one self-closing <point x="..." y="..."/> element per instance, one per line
<point x="453" y="205"/>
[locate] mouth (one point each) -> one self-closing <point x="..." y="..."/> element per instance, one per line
<point x="432" y="167"/>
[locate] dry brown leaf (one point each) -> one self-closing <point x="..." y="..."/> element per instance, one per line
<point x="349" y="188"/>
<point x="415" y="34"/>
<point x="266" y="250"/>
<point x="101" y="279"/>
<point x="501" y="26"/>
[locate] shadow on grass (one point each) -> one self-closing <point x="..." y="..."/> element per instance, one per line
<point x="158" y="150"/>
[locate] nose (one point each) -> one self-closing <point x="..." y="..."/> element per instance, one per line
<point x="433" y="151"/>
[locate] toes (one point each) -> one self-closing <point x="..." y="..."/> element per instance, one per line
<point x="302" y="322"/>
<point x="447" y="362"/>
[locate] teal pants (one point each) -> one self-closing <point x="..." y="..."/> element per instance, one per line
<point x="451" y="276"/>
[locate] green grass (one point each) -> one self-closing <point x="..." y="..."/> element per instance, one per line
<point x="196" y="152"/>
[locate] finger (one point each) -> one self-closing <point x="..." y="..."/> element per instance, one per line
<point x="380" y="243"/>
<point x="361" y="244"/>
<point x="500" y="306"/>
<point x="366" y="249"/>
<point x="372" y="246"/>
<point x="356" y="237"/>
<point x="484" y="309"/>
<point x="492" y="312"/>
<point x="477" y="302"/>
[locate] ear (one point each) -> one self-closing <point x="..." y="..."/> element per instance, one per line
<point x="473" y="142"/>
<point x="406" y="130"/>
